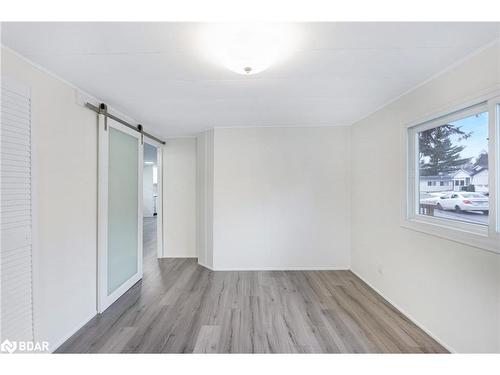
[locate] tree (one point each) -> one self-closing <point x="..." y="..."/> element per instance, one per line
<point x="482" y="160"/>
<point x="438" y="155"/>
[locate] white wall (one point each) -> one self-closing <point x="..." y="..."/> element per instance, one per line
<point x="179" y="202"/>
<point x="65" y="157"/>
<point x="281" y="198"/>
<point x="452" y="290"/>
<point x="147" y="191"/>
<point x="204" y="196"/>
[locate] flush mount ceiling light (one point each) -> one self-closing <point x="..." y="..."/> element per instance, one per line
<point x="248" y="48"/>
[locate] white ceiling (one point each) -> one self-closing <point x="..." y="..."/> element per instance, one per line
<point x="157" y="73"/>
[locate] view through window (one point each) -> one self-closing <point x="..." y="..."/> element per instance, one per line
<point x="453" y="170"/>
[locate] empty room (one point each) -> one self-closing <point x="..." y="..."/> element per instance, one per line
<point x="250" y="187"/>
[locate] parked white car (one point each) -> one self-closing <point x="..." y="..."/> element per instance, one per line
<point x="431" y="198"/>
<point x="463" y="201"/>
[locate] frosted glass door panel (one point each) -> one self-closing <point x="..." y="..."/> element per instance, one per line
<point x="122" y="208"/>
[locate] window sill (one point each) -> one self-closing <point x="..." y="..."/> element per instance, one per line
<point x="473" y="235"/>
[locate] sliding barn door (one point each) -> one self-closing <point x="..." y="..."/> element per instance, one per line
<point x="120" y="210"/>
<point x="16" y="215"/>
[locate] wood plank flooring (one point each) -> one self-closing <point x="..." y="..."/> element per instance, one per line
<point x="181" y="307"/>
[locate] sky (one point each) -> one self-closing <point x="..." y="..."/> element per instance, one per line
<point x="478" y="141"/>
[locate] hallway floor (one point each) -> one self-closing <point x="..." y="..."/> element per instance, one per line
<point x="181" y="307"/>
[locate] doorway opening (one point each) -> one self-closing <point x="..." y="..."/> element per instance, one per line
<point x="152" y="202"/>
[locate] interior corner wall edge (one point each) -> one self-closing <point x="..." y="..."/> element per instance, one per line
<point x="451" y="290"/>
<point x="65" y="199"/>
<point x="179" y="191"/>
<point x="204" y="198"/>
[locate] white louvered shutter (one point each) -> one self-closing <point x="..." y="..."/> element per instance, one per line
<point x="16" y="214"/>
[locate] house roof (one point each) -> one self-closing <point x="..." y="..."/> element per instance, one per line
<point x="453" y="174"/>
<point x="436" y="178"/>
<point x="478" y="169"/>
<point x="471" y="171"/>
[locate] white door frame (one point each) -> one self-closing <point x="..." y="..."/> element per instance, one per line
<point x="159" y="206"/>
<point x="103" y="299"/>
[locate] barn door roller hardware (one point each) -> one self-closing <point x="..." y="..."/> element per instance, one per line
<point x="103" y="110"/>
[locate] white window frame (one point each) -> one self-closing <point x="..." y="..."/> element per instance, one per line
<point x="476" y="235"/>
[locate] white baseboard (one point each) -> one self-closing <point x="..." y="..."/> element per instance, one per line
<point x="258" y="268"/>
<point x="206" y="266"/>
<point x="412" y="319"/>
<point x="54" y="347"/>
<point x="280" y="269"/>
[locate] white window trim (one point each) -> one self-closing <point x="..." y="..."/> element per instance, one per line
<point x="475" y="235"/>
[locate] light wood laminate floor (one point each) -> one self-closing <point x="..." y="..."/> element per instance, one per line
<point x="181" y="307"/>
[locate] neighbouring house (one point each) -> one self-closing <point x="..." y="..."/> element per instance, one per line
<point x="430" y="184"/>
<point x="461" y="179"/>
<point x="456" y="181"/>
<point x="480" y="179"/>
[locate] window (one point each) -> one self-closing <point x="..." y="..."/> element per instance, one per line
<point x="155" y="174"/>
<point x="456" y="148"/>
<point x="452" y="174"/>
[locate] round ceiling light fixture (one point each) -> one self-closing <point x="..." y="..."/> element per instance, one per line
<point x="248" y="48"/>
